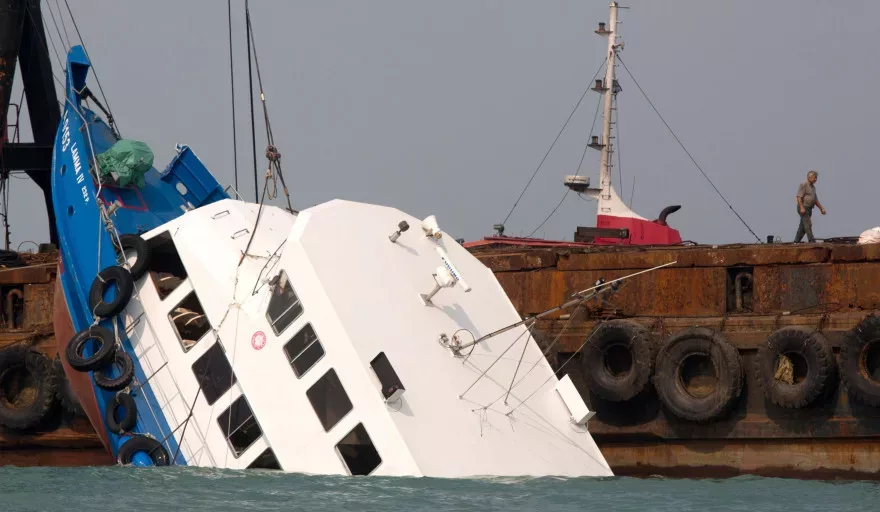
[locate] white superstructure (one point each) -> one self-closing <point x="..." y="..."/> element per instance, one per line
<point x="341" y="365"/>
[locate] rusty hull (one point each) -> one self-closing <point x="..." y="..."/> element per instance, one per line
<point x="830" y="287"/>
<point x="27" y="304"/>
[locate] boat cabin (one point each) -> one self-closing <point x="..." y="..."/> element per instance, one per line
<point x="319" y="343"/>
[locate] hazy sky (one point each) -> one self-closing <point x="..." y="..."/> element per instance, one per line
<point x="446" y="107"/>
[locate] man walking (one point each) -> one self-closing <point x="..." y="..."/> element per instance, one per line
<point x="806" y="199"/>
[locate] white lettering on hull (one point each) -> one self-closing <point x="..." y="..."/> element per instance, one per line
<point x="74" y="155"/>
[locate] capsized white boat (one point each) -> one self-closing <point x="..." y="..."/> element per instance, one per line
<point x="208" y="331"/>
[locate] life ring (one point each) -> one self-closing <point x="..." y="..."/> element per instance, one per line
<point x="124" y="282"/>
<point x="619" y="360"/>
<point x="140" y="443"/>
<point x="126" y="373"/>
<point x="102" y="356"/>
<point x="129" y="419"/>
<point x="678" y="366"/>
<point x="65" y="395"/>
<point x="860" y="361"/>
<point x="805" y="349"/>
<point x="132" y="243"/>
<point x="13" y="361"/>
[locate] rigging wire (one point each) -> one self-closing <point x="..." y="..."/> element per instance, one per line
<point x="247" y="17"/>
<point x="111" y="118"/>
<point x="232" y="87"/>
<point x="272" y="153"/>
<point x="66" y="35"/>
<point x="578" y="104"/>
<point x="688" y="152"/>
<point x="577" y="173"/>
<point x="617" y="145"/>
<point x="54" y="22"/>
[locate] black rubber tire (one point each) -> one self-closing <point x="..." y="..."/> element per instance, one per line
<point x="633" y="337"/>
<point x="139" y="443"/>
<point x="65" y="395"/>
<point x="128" y="421"/>
<point x="853" y="351"/>
<point x="124" y="288"/>
<point x="814" y="348"/>
<point x="142" y="254"/>
<point x="39" y="366"/>
<point x="125" y="377"/>
<point x="101" y="358"/>
<point x="728" y="370"/>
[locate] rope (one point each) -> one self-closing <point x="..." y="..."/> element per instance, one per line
<point x="577" y="173"/>
<point x="247" y="16"/>
<point x="94" y="71"/>
<point x="49" y="33"/>
<point x="688" y="152"/>
<point x="232" y="87"/>
<point x="553" y="375"/>
<point x="578" y="104"/>
<point x="66" y="35"/>
<point x="272" y="153"/>
<point x="495" y="361"/>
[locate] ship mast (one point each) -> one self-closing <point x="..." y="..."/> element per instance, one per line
<point x="609" y="89"/>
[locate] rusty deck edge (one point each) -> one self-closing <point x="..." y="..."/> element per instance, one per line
<point x="516" y="259"/>
<point x="639" y="470"/>
<point x="827" y="459"/>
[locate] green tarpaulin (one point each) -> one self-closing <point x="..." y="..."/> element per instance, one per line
<point x="126" y="161"/>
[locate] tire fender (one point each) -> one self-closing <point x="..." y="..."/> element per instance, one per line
<point x="855" y="348"/>
<point x="810" y="345"/>
<point x="698" y="341"/>
<point x="102" y="356"/>
<point x="122" y="279"/>
<point x="618" y="335"/>
<point x="45" y="381"/>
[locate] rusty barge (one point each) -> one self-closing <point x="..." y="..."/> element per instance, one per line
<point x="41" y="424"/>
<point x="736" y="359"/>
<point x="746" y="417"/>
<point x="41" y="421"/>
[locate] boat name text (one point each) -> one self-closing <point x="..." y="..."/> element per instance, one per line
<point x="74" y="154"/>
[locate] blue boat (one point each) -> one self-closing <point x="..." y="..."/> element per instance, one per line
<point x="99" y="223"/>
<point x="199" y="329"/>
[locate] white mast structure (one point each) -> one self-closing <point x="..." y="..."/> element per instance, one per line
<point x="610" y="204"/>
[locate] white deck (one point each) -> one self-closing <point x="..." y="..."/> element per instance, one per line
<point x="360" y="294"/>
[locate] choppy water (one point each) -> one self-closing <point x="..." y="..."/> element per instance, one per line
<point x="172" y="489"/>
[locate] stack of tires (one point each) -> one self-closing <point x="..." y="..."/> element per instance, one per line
<point x="622" y="359"/>
<point x="95" y="349"/>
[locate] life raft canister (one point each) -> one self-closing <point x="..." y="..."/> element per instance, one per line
<point x="795" y="366"/>
<point x="860" y="361"/>
<point x="618" y="359"/>
<point x="698" y="374"/>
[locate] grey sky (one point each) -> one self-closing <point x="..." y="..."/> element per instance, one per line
<point x="447" y="107"/>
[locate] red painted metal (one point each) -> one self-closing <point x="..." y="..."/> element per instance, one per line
<point x="641" y="232"/>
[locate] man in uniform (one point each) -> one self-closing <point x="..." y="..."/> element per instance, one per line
<point x="806" y="199"/>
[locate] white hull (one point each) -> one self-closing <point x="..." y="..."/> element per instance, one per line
<point x="359" y="292"/>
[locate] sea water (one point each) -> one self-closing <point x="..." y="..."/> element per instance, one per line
<point x="115" y="489"/>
